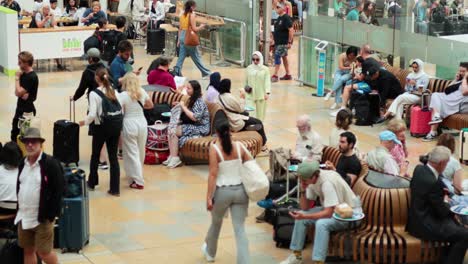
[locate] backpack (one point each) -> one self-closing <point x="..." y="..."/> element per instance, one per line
<point x="95" y="41"/>
<point x="111" y="118"/>
<point x="367" y="108"/>
<point x="131" y="31"/>
<point x="109" y="45"/>
<point x="33" y="23"/>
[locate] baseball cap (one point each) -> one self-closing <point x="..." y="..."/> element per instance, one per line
<point x="93" y="53"/>
<point x="307" y="169"/>
<point x="388" y="135"/>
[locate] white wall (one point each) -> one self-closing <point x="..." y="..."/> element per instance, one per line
<point x="9" y="46"/>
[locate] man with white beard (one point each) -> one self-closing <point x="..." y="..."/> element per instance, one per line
<point x="309" y="143"/>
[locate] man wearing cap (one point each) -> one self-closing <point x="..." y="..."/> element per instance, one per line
<point x="88" y="80"/>
<point x="283" y="35"/>
<point x="40" y="190"/>
<point x="332" y="190"/>
<point x="380" y="158"/>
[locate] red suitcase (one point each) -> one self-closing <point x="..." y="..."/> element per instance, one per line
<point x="419" y="125"/>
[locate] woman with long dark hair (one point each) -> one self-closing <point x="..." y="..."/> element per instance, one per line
<point x="226" y="191"/>
<point x="186" y="19"/>
<point x="103" y="134"/>
<point x="194" y="123"/>
<point x="212" y="89"/>
<point x="10" y="157"/>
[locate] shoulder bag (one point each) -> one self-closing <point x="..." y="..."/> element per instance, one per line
<point x="255" y="181"/>
<point x="191" y="37"/>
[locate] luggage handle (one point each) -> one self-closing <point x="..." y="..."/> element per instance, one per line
<point x="70" y="113"/>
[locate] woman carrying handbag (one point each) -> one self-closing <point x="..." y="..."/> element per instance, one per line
<point x="188" y="40"/>
<point x="226" y="191"/>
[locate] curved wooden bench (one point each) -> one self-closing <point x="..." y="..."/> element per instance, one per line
<point x="196" y="151"/>
<point x="381" y="237"/>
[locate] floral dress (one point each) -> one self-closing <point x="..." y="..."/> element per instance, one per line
<point x="200" y="128"/>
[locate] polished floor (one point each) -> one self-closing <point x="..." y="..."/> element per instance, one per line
<point x="167" y="222"/>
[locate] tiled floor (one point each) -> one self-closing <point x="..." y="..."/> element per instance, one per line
<point x="167" y="222"/>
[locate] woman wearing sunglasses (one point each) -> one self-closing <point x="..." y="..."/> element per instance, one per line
<point x="258" y="84"/>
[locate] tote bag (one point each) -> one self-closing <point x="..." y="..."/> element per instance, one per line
<point x="255" y="181"/>
<point x="191" y="37"/>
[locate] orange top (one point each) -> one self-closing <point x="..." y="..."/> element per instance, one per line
<point x="184" y="21"/>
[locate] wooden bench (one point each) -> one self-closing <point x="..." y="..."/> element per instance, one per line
<point x="382" y="237"/>
<point x="196" y="151"/>
<point x="456" y="121"/>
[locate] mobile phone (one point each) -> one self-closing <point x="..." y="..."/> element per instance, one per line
<point x="292" y="209"/>
<point x="323" y="166"/>
<point x="139" y="69"/>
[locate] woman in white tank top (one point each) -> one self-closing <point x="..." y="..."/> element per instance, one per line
<point x="225" y="191"/>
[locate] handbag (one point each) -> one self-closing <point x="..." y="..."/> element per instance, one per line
<point x="255" y="181"/>
<point x="157" y="137"/>
<point x="191" y="37"/>
<point x="248" y="89"/>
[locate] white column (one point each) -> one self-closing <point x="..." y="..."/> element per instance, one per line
<point x="9" y="45"/>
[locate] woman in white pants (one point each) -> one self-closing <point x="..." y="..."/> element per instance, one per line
<point x="226" y="191"/>
<point x="414" y="81"/>
<point x="134" y="132"/>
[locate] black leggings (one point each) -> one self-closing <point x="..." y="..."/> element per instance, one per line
<point x="255" y="121"/>
<point x="112" y="142"/>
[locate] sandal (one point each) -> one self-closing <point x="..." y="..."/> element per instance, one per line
<point x="137" y="186"/>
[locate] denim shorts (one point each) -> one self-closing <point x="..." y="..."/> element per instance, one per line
<point x="280" y="51"/>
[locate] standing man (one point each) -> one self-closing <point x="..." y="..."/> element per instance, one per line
<point x="332" y="190"/>
<point x="348" y="166"/>
<point x="40" y="189"/>
<point x="120" y="65"/>
<point x="26" y="84"/>
<point x="282" y="40"/>
<point x="429" y="216"/>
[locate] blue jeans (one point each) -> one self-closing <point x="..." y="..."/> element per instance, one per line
<point x="299" y="8"/>
<point x="193" y="53"/>
<point x="323" y="227"/>
<point x="341" y="77"/>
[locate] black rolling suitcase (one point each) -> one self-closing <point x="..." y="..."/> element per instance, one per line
<point x="156" y="40"/>
<point x="73" y="225"/>
<point x="67" y="139"/>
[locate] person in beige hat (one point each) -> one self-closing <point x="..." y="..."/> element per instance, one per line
<point x="332" y="190"/>
<point x="40" y="191"/>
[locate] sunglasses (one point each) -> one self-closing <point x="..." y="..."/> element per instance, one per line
<point x="255" y="59"/>
<point x="278" y="7"/>
<point x="27" y="141"/>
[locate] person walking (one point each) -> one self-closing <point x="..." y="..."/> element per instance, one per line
<point x="226" y="191"/>
<point x="133" y="100"/>
<point x="186" y="19"/>
<point x="103" y="133"/>
<point x="40" y="192"/>
<point x="259" y="83"/>
<point x="282" y="40"/>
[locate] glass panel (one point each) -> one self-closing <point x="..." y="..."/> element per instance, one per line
<point x="230" y="35"/>
<point x="309" y="63"/>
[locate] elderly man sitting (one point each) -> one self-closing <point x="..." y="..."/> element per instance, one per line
<point x="429" y="216"/>
<point x="332" y="190"/>
<point x="380" y="159"/>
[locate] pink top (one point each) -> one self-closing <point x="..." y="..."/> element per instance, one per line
<point x="161" y="77"/>
<point x="398" y="153"/>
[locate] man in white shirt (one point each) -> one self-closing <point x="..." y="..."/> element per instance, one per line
<point x="40" y="191"/>
<point x="56" y="11"/>
<point x="332" y="190"/>
<point x="380" y="159"/>
<point x="309" y="145"/>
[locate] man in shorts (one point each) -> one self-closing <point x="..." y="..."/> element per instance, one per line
<point x="40" y="191"/>
<point x="282" y="40"/>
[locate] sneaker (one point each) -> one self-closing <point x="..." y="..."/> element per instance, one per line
<point x="208" y="258"/>
<point x="286" y="77"/>
<point x="274" y="78"/>
<point x="435" y="120"/>
<point x="166" y="162"/>
<point x="260" y="218"/>
<point x="266" y="203"/>
<point x="174" y="163"/>
<point x="206" y="77"/>
<point x="292" y="259"/>
<point x="333" y="106"/>
<point x="103" y="166"/>
<point x="429" y="137"/>
<point x="335" y="113"/>
<point x="327" y="96"/>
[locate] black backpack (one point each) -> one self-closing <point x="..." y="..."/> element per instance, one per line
<point x="131" y="31"/>
<point x="367" y="108"/>
<point x="109" y="45"/>
<point x="111" y="118"/>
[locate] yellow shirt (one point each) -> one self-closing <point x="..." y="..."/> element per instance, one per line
<point x="184" y="21"/>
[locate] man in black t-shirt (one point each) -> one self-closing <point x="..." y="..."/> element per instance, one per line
<point x="381" y="80"/>
<point x="349" y="165"/>
<point x="282" y="40"/>
<point x="26" y="84"/>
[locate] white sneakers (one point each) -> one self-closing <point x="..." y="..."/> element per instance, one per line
<point x="174" y="162"/>
<point x="167" y="161"/>
<point x="292" y="259"/>
<point x="327" y="96"/>
<point x="333" y="106"/>
<point x="335" y="113"/>
<point x="208" y="258"/>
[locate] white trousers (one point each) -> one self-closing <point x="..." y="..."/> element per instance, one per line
<point x="134" y="135"/>
<point x="397" y="106"/>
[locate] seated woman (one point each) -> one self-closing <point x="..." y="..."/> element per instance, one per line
<point x="359" y="85"/>
<point x="10" y="157"/>
<point x="194" y="123"/>
<point x="234" y="109"/>
<point x="161" y="76"/>
<point x="212" y="93"/>
<point x="416" y="82"/>
<point x="453" y="173"/>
